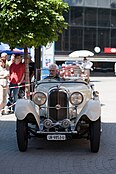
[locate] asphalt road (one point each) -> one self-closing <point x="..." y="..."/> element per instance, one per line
<point x="69" y="157"/>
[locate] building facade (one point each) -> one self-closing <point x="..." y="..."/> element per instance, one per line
<point x="91" y="26"/>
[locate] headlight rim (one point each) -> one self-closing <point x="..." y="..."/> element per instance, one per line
<point x="40" y="92"/>
<point x="79" y="102"/>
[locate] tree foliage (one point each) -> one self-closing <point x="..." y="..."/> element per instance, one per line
<point x="31" y="22"/>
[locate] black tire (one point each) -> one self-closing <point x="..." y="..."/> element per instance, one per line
<point x="95" y="132"/>
<point x="22" y="134"/>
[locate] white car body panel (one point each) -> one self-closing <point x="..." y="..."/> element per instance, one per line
<point x="92" y="109"/>
<point x="24" y="107"/>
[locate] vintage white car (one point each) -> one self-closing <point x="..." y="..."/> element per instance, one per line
<point x="59" y="111"/>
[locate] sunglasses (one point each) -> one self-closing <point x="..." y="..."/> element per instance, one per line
<point x="18" y="58"/>
<point x="52" y="70"/>
<point x="2" y="61"/>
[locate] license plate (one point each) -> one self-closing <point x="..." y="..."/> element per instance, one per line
<point x="56" y="137"/>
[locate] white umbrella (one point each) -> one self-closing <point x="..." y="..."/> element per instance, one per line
<point x="81" y="53"/>
<point x="4" y="46"/>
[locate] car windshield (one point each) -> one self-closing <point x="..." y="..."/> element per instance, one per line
<point x="70" y="85"/>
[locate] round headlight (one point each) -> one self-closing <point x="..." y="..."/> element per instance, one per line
<point x="76" y="98"/>
<point x="39" y="98"/>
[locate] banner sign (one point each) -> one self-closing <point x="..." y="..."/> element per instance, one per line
<point x="47" y="58"/>
<point x="47" y="55"/>
<point x="110" y="50"/>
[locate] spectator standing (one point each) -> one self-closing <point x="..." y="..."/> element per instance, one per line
<point x="17" y="75"/>
<point x="31" y="69"/>
<point x="87" y="65"/>
<point x="31" y="75"/>
<point x="12" y="59"/>
<point x="4" y="57"/>
<point x="4" y="74"/>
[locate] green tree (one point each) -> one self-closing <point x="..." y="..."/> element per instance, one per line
<point x="26" y="23"/>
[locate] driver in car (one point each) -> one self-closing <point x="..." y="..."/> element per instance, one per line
<point x="53" y="72"/>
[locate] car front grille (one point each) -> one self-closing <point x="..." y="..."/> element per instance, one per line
<point x="57" y="103"/>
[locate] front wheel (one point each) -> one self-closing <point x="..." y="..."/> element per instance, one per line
<point x="95" y="132"/>
<point x="22" y="134"/>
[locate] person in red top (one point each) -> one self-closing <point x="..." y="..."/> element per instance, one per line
<point x="17" y="75"/>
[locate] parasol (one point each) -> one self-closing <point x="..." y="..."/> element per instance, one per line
<point x="81" y="53"/>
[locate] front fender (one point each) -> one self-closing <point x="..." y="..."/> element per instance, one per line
<point x="92" y="109"/>
<point x="23" y="107"/>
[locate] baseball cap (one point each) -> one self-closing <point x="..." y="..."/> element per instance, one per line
<point x="3" y="54"/>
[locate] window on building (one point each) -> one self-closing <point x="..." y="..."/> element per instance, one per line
<point x="90" y="17"/>
<point x="113" y="38"/>
<point x="58" y="45"/>
<point x="63" y="42"/>
<point x="103" y="17"/>
<point x="89" y="38"/>
<point x="76" y="35"/>
<point x="66" y="16"/>
<point x="76" y="16"/>
<point x="113" y="18"/>
<point x="65" y="45"/>
<point x="103" y="38"/>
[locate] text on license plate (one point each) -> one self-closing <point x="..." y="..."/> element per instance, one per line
<point x="56" y="137"/>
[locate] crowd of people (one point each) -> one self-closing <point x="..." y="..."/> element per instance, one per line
<point x="12" y="76"/>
